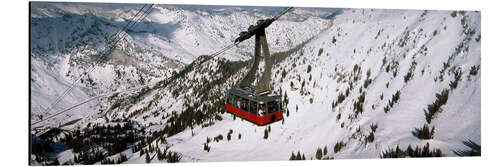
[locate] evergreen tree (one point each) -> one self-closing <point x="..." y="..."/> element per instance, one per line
<point x="425" y="132"/>
<point x="338" y="146"/>
<point x="319" y="153"/>
<point x="159" y="154"/>
<point x="75" y="158"/>
<point x="292" y="157"/>
<point x="325" y="151"/>
<point x="148" y="159"/>
<point x="123" y="158"/>
<point x="409" y="151"/>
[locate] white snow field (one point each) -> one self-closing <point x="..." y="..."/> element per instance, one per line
<point x="371" y="53"/>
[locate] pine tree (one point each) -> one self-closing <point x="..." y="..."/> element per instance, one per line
<point x="148" y="160"/>
<point x="75" y="158"/>
<point x="398" y="152"/>
<point x="432" y="132"/>
<point x="292" y="157"/>
<point x="206" y="147"/>
<point x="159" y="154"/>
<point x="425" y="132"/>
<point x="338" y="146"/>
<point x="319" y="153"/>
<point x="325" y="151"/>
<point x="409" y="151"/>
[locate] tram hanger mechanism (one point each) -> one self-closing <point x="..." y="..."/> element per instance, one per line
<point x="255" y="103"/>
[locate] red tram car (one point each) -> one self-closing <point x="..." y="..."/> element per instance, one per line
<point x="260" y="108"/>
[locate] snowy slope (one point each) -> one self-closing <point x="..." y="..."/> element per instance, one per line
<point x="315" y="125"/>
<point x="369" y="53"/>
<point x="70" y="39"/>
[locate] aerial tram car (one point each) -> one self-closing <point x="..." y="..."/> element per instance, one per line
<point x="256" y="103"/>
<point x="260" y="109"/>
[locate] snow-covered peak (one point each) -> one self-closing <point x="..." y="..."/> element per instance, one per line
<point x="355" y="82"/>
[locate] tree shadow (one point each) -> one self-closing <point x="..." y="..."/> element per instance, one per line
<point x="428" y="117"/>
<point x="438" y="95"/>
<point x="475" y="149"/>
<point x="416" y="132"/>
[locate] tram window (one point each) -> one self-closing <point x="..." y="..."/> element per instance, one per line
<point x="272" y="106"/>
<point x="244" y="104"/>
<point x="253" y="107"/>
<point x="230" y="99"/>
<point x="279" y="106"/>
<point x="235" y="101"/>
<point x="238" y="102"/>
<point x="262" y="110"/>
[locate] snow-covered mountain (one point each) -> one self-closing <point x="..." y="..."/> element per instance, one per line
<point x="356" y="83"/>
<point x="70" y="39"/>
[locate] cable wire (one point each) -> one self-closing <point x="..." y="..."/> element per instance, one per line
<point x="68" y="90"/>
<point x="144" y="86"/>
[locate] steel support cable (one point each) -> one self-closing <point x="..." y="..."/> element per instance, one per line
<point x="129" y="21"/>
<point x="82" y="75"/>
<point x="234" y="44"/>
<point x="210" y="56"/>
<point x="122" y="91"/>
<point x="127" y="90"/>
<point x="68" y="90"/>
<point x="135" y="88"/>
<point x="283" y="12"/>
<point x="93" y="98"/>
<point x="141" y="17"/>
<point x="59" y="98"/>
<point x="223" y="50"/>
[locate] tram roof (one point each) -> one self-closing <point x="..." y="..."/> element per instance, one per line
<point x="249" y="93"/>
